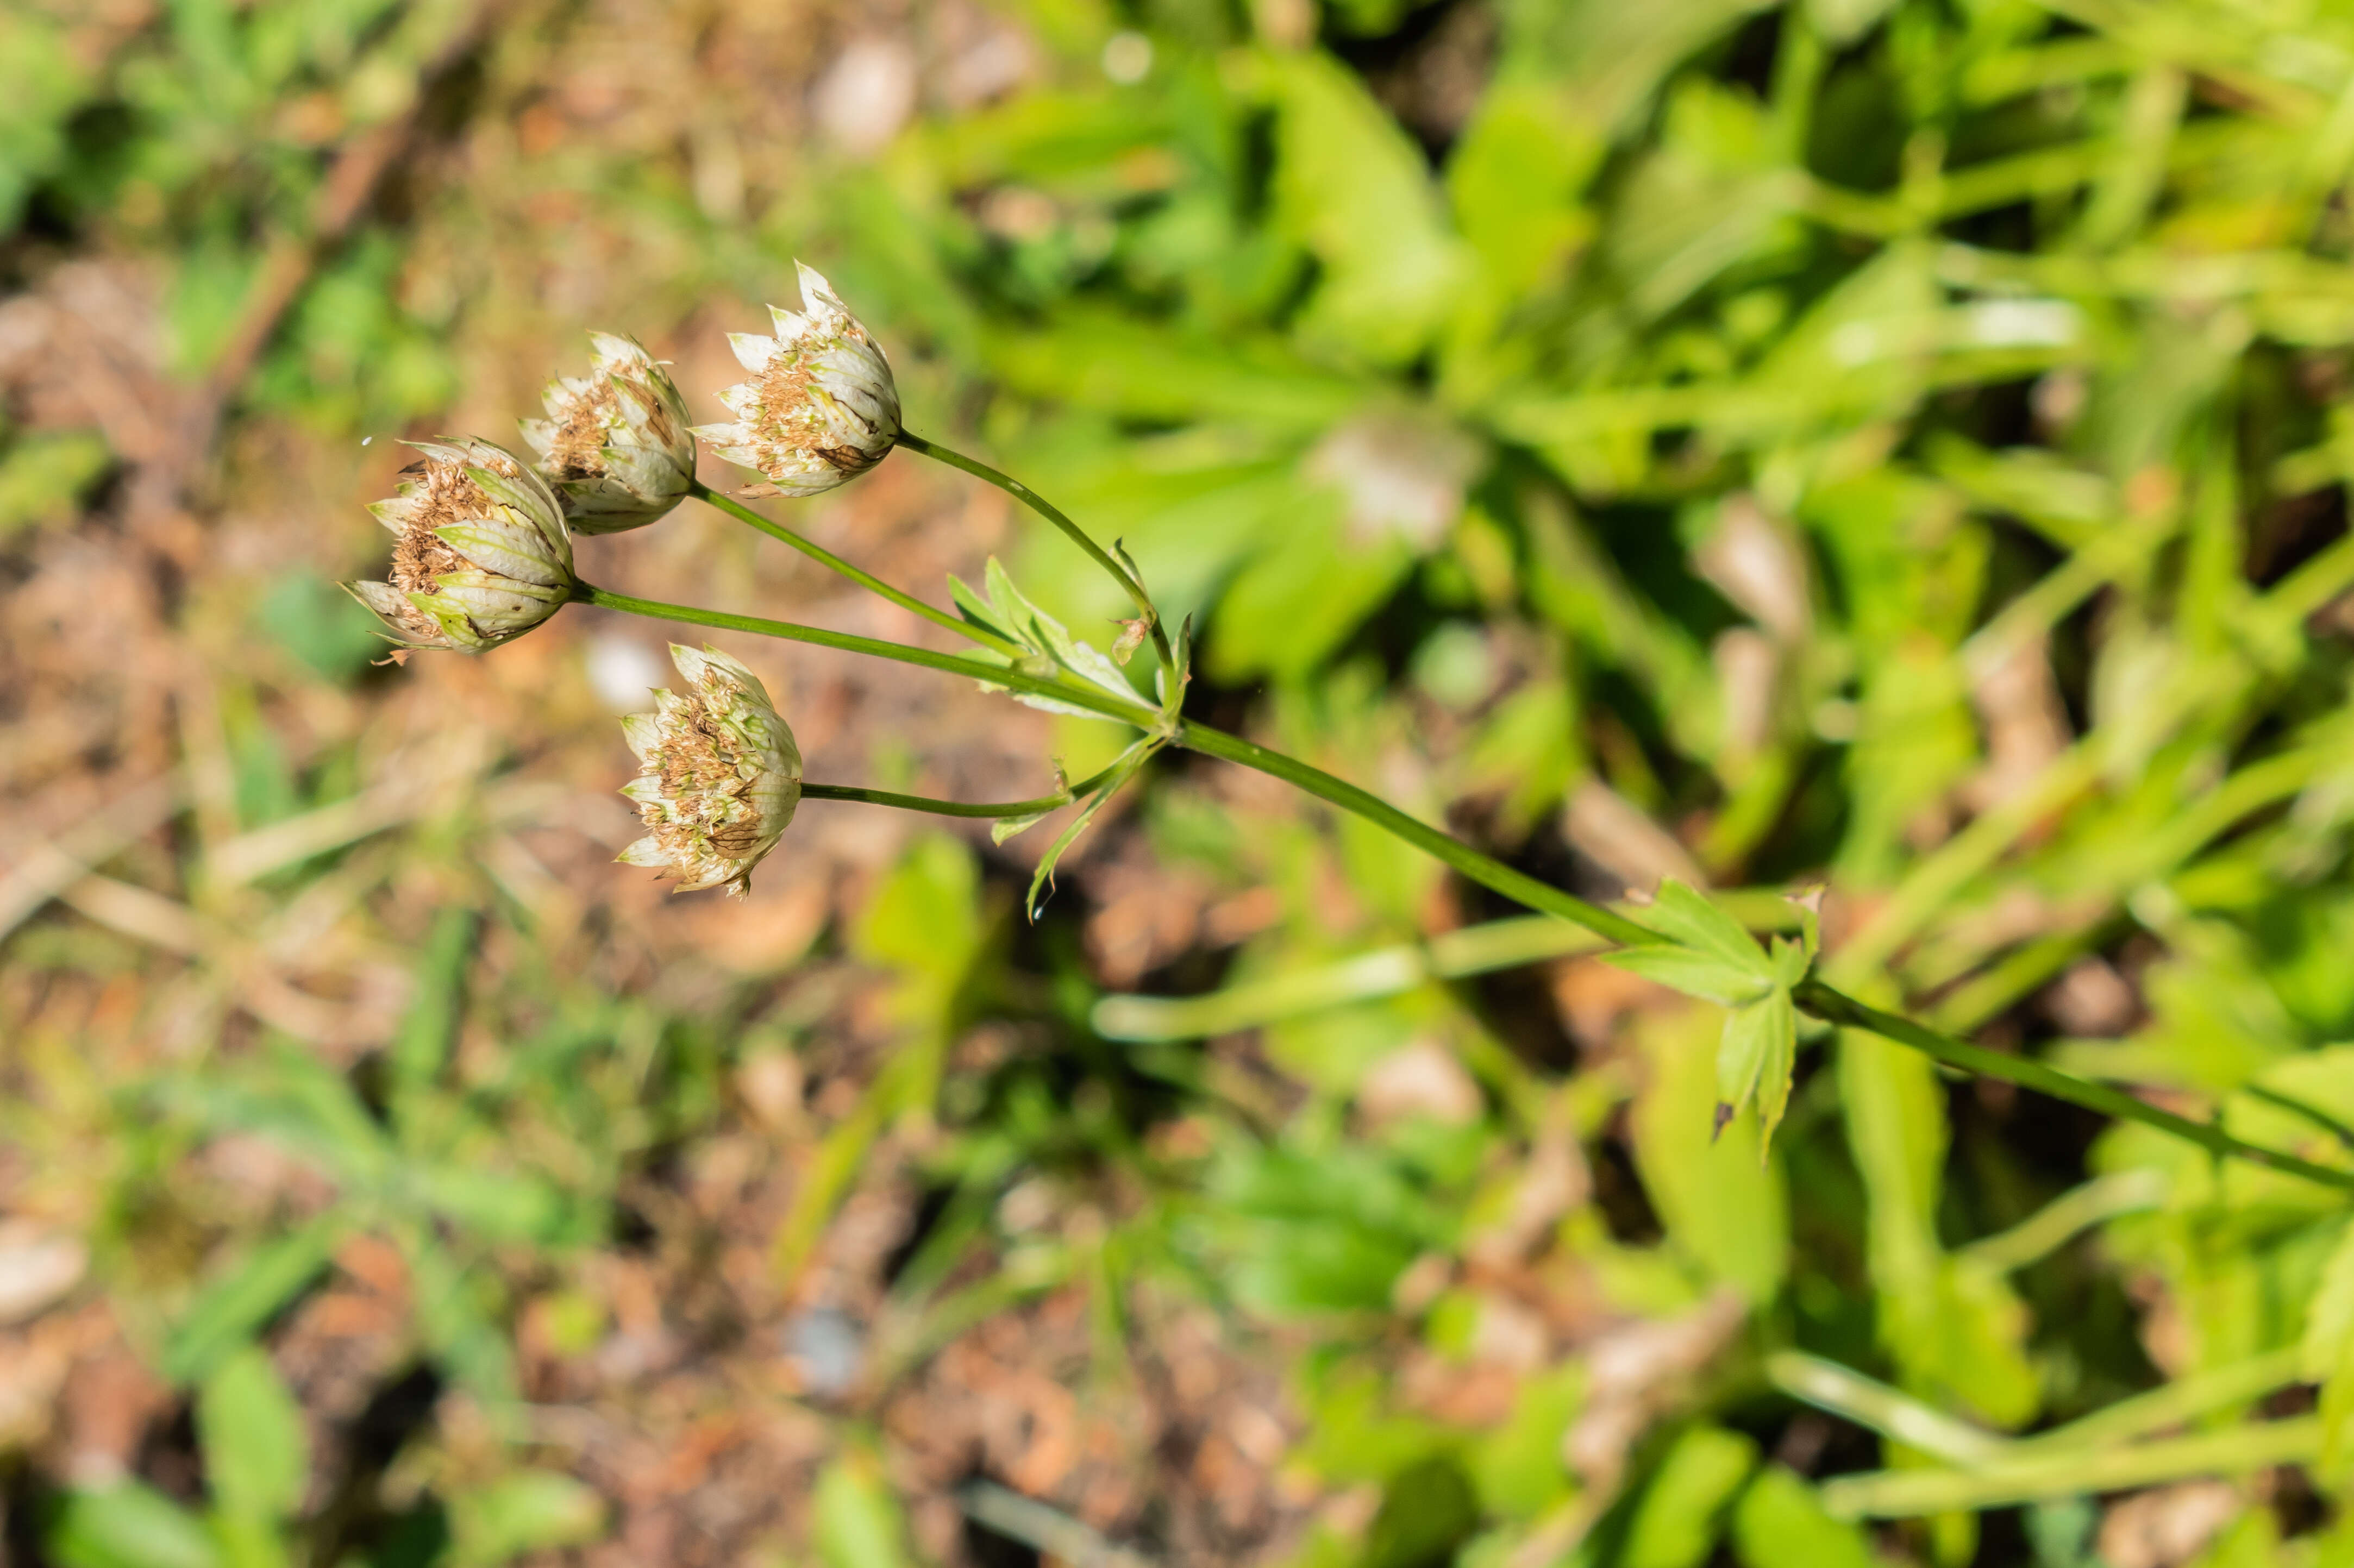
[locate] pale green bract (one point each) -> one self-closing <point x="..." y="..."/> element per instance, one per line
<point x="616" y="444"/>
<point x="1009" y="614"/>
<point x="821" y="408"/>
<point x="720" y="775"/>
<point x="481" y="552"/>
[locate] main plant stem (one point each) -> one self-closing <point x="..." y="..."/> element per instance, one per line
<point x="1812" y="996"/>
<point x="1055" y="514"/>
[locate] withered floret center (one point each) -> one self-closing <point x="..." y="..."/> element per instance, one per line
<point x="789" y="424"/>
<point x="444" y="494"/>
<point x="697" y="766"/>
<point x="577" y="448"/>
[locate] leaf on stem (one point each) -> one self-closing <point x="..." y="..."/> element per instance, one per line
<point x="1708" y="954"/>
<point x="1011" y="615"/>
<point x="1180" y="656"/>
<point x="1122" y="769"/>
<point x="1755" y="1057"/>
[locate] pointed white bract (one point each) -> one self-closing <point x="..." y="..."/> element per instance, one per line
<point x="821" y="408"/>
<point x="480" y="552"/>
<point x="615" y="443"/>
<point x="719" y="775"/>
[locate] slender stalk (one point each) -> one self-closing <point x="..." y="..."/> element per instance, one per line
<point x="833" y="563"/>
<point x="1073" y="692"/>
<point x="1055" y="514"/>
<point x="1490" y="873"/>
<point x="1836" y="1007"/>
<point x="952" y="808"/>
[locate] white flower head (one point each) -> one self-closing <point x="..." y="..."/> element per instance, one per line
<point x="821" y="408"/>
<point x="615" y="443"/>
<point x="719" y="775"/>
<point x="480" y="552"/>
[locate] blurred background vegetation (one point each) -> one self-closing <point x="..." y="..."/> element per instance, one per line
<point x="1894" y="443"/>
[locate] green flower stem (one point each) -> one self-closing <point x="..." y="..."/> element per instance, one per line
<point x="1073" y="692"/>
<point x="833" y="563"/>
<point x="1836" y="1007"/>
<point x="1490" y="873"/>
<point x="953" y="808"/>
<point x="1813" y="996"/>
<point x="1055" y="514"/>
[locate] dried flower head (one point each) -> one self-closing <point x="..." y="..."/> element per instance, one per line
<point x="615" y="443"/>
<point x="821" y="408"/>
<point x="719" y="775"/>
<point x="480" y="552"/>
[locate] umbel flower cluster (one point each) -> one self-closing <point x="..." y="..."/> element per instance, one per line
<point x="482" y="551"/>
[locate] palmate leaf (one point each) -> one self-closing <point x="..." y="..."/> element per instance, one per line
<point x="1699" y="974"/>
<point x="1006" y="613"/>
<point x="1711" y="956"/>
<point x="1755" y="1057"/>
<point x="1707" y="954"/>
<point x="1687" y="919"/>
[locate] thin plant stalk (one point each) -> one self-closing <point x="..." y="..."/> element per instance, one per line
<point x="833" y="563"/>
<point x="1071" y="692"/>
<point x="1055" y="514"/>
<point x="1814" y="997"/>
<point x="1820" y="1001"/>
<point x="1519" y="886"/>
<point x="892" y="798"/>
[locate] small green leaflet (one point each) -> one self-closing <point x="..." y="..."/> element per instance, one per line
<point x="1004" y="828"/>
<point x="1708" y="954"/>
<point x="1051" y="647"/>
<point x="1122" y="769"/>
<point x="1132" y="632"/>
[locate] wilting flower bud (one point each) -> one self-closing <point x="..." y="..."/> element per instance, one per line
<point x="820" y="406"/>
<point x="615" y="443"/>
<point x="482" y="553"/>
<point x="719" y="775"/>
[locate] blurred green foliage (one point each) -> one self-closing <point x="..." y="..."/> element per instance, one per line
<point x="1894" y="442"/>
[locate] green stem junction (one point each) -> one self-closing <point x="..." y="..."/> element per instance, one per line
<point x="1055" y="514"/>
